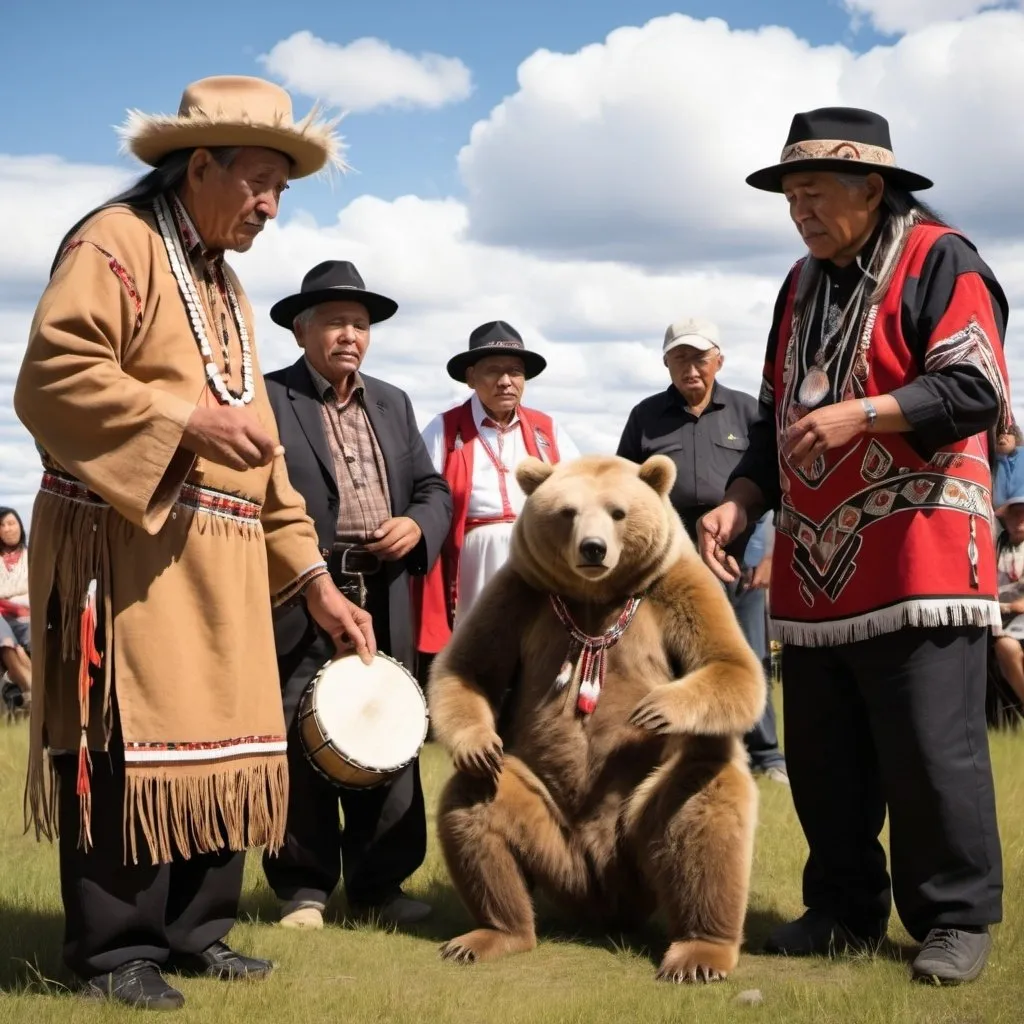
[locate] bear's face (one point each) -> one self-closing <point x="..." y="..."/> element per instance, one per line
<point x="597" y="527"/>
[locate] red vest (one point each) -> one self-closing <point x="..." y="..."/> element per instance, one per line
<point x="435" y="595"/>
<point x="874" y="537"/>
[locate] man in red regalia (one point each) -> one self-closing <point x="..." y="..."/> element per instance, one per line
<point x="477" y="446"/>
<point x="884" y="382"/>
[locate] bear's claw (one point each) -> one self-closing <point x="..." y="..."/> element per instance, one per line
<point x="701" y="973"/>
<point x="457" y="953"/>
<point x="698" y="961"/>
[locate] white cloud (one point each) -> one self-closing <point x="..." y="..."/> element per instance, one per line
<point x="367" y="73"/>
<point x="637" y="148"/>
<point x="894" y="17"/>
<point x="605" y="199"/>
<point x="599" y="324"/>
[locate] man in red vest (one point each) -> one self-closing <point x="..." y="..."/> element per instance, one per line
<point x="884" y="384"/>
<point x="477" y="446"/>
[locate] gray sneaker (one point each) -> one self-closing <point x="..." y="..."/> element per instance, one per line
<point x="396" y="909"/>
<point x="949" y="956"/>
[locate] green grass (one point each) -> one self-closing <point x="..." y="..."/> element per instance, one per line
<point x="361" y="973"/>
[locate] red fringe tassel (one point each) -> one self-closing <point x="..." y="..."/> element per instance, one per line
<point x="89" y="657"/>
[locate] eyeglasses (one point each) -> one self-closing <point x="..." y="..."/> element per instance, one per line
<point x="676" y="358"/>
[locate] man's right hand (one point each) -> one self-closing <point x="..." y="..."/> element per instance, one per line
<point x="715" y="529"/>
<point x="230" y="437"/>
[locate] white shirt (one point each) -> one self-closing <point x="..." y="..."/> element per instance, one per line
<point x="485" y="500"/>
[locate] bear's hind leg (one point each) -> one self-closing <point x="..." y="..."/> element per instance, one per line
<point x="693" y="827"/>
<point x="490" y="839"/>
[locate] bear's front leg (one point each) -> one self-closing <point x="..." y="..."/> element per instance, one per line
<point x="492" y="831"/>
<point x="692" y="829"/>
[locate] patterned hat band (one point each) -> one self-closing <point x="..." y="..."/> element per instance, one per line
<point x="838" y="149"/>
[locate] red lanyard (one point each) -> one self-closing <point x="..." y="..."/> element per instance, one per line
<point x="502" y="469"/>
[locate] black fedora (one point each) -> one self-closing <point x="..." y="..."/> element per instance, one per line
<point x="496" y="338"/>
<point x="840" y="139"/>
<point x="332" y="281"/>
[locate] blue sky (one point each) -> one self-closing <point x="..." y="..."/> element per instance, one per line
<point x="83" y="63"/>
<point x="602" y="201"/>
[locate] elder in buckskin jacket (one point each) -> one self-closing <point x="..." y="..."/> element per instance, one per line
<point x="884" y="383"/>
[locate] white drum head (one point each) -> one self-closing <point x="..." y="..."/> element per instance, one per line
<point x="374" y="714"/>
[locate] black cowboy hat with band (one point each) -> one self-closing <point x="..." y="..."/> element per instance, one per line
<point x="841" y="140"/>
<point x="332" y="281"/>
<point x="496" y="338"/>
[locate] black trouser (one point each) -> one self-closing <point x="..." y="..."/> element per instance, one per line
<point x="385" y="835"/>
<point x="899" y="721"/>
<point x="115" y="912"/>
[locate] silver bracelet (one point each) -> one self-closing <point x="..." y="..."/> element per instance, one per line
<point x="872" y="412"/>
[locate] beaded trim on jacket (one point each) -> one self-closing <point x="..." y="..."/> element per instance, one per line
<point x="174" y="223"/>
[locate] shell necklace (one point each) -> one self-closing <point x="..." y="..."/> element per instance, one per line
<point x="173" y="224"/>
<point x="835" y="325"/>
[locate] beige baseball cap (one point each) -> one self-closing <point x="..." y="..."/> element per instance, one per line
<point x="695" y="332"/>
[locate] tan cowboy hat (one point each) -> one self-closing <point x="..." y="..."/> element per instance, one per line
<point x="235" y="110"/>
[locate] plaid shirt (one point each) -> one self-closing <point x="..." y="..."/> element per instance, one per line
<point x="364" y="501"/>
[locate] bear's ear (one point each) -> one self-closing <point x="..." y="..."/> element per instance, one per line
<point x="659" y="472"/>
<point x="531" y="473"/>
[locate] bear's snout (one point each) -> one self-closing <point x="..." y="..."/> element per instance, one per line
<point x="593" y="550"/>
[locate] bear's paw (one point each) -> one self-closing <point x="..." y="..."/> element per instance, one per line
<point x="485" y="944"/>
<point x="663" y="711"/>
<point x="478" y="751"/>
<point x="698" y="961"/>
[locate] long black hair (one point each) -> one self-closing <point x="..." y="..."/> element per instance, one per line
<point x="4" y="513"/>
<point x="166" y="176"/>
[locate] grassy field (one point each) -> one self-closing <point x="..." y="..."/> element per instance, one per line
<point x="365" y="974"/>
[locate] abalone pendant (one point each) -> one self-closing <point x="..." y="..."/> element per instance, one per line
<point x="813" y="388"/>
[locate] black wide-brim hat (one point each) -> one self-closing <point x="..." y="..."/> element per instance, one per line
<point x="496" y="338"/>
<point x="332" y="281"/>
<point x="842" y="140"/>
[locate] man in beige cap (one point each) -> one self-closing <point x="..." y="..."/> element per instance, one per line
<point x="702" y="426"/>
<point x="164" y="529"/>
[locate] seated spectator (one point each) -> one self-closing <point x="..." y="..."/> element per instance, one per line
<point x="1009" y="467"/>
<point x="14" y="611"/>
<point x="1009" y="640"/>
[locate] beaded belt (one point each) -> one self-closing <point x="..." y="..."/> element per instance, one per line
<point x="191" y="496"/>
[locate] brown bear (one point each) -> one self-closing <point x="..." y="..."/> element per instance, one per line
<point x="619" y="782"/>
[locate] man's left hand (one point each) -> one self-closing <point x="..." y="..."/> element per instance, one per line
<point x="762" y="575"/>
<point x="395" y="538"/>
<point x="821" y="430"/>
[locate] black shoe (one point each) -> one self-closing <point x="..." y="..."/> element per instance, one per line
<point x="818" y="934"/>
<point x="137" y="983"/>
<point x="949" y="956"/>
<point x="221" y="961"/>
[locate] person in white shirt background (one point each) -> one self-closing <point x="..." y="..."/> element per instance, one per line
<point x="476" y="446"/>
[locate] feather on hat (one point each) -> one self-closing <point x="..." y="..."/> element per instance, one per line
<point x="236" y="110"/>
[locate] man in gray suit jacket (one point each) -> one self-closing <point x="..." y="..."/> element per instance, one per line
<point x="355" y="453"/>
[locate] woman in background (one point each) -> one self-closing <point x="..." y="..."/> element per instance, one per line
<point x="14" y="611"/>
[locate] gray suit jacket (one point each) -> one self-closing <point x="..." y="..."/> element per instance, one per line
<point x="417" y="491"/>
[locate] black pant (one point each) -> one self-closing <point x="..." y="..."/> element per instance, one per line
<point x="385" y="835"/>
<point x="115" y="912"/>
<point x="899" y="721"/>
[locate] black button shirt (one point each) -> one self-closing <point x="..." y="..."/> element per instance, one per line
<point x="706" y="448"/>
